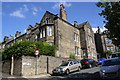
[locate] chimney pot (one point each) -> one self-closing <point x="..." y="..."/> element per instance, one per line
<point x="17" y="33"/>
<point x="6" y="38"/>
<point x="62" y="6"/>
<point x="99" y="32"/>
<point x="63" y="13"/>
<point x="36" y="23"/>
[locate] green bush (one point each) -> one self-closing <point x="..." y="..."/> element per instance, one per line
<point x="108" y="52"/>
<point x="72" y="56"/>
<point x="46" y="49"/>
<point x="1" y="51"/>
<point x="28" y="48"/>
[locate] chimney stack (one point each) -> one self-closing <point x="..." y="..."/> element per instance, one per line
<point x="30" y="26"/>
<point x="6" y="38"/>
<point x="63" y="13"/>
<point x="17" y="34"/>
<point x="62" y="7"/>
<point x="36" y="25"/>
<point x="75" y="23"/>
<point x="98" y="31"/>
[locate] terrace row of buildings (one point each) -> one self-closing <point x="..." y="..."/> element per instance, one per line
<point x="78" y="39"/>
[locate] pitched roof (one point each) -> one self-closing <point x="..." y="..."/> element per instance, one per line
<point x="55" y="16"/>
<point x="79" y="26"/>
<point x="82" y="25"/>
<point x="47" y="12"/>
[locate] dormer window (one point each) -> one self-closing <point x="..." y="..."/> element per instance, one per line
<point x="47" y="20"/>
<point x="75" y="23"/>
<point x="28" y="31"/>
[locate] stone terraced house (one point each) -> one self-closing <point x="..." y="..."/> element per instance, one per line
<point x="69" y="39"/>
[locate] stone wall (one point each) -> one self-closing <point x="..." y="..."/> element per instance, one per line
<point x="17" y="67"/>
<point x="45" y="64"/>
<point x="6" y="66"/>
<point x="26" y="65"/>
<point x="66" y="42"/>
<point x="54" y="62"/>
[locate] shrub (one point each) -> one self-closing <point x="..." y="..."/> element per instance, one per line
<point x="108" y="52"/>
<point x="28" y="48"/>
<point x="72" y="56"/>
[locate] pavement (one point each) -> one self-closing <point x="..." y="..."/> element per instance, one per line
<point x="4" y="75"/>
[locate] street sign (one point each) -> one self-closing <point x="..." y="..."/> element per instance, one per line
<point x="37" y="52"/>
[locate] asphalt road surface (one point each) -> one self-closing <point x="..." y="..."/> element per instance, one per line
<point x="87" y="74"/>
<point x="83" y="74"/>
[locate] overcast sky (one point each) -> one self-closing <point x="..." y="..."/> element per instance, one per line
<point x="16" y="16"/>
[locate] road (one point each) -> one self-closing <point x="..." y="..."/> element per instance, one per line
<point x="84" y="74"/>
<point x="89" y="74"/>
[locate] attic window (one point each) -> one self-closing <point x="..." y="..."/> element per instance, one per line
<point x="47" y="20"/>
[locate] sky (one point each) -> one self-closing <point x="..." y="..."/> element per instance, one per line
<point x="17" y="16"/>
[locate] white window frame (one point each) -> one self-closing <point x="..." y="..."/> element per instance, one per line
<point x="88" y="30"/>
<point x="107" y="40"/>
<point x="0" y="46"/>
<point x="49" y="30"/>
<point x="43" y="32"/>
<point x="77" y="51"/>
<point x="36" y="37"/>
<point x="76" y="37"/>
<point x="110" y="48"/>
<point x="51" y="43"/>
<point x="3" y="46"/>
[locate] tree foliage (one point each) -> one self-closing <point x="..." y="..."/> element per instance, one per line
<point x="28" y="48"/>
<point x="111" y="13"/>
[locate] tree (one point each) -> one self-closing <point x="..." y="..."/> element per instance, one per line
<point x="28" y="48"/>
<point x="111" y="13"/>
